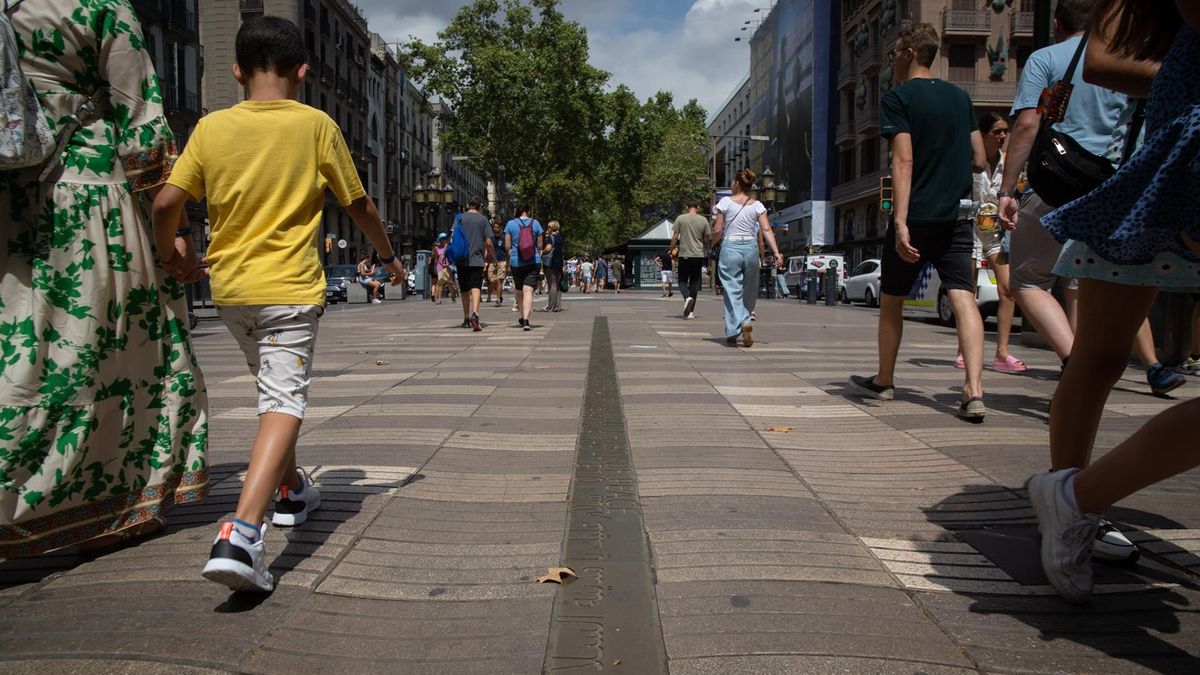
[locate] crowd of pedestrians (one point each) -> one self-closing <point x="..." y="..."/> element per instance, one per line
<point x="966" y="189"/>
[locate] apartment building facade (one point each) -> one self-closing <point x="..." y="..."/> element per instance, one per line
<point x="729" y="132"/>
<point x="984" y="46"/>
<point x="171" y="29"/>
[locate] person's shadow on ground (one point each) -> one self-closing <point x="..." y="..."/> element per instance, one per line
<point x="1129" y="623"/>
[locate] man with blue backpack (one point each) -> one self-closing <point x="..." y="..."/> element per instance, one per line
<point x="523" y="240"/>
<point x="469" y="247"/>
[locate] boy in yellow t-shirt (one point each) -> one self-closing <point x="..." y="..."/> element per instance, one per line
<point x="264" y="166"/>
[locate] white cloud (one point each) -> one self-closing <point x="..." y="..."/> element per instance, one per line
<point x="692" y="57"/>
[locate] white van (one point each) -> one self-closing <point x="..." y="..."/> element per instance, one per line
<point x="800" y="267"/>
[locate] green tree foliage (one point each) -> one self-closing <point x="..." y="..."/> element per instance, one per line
<point x="523" y="96"/>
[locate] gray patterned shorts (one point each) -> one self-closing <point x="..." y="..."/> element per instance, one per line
<point x="278" y="341"/>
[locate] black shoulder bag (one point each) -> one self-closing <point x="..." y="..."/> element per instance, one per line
<point x="1060" y="169"/>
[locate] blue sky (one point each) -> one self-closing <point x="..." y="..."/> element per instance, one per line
<point x="682" y="46"/>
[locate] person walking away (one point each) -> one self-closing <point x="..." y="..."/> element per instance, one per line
<point x="586" y="269"/>
<point x="442" y="268"/>
<point x="1135" y="234"/>
<point x="499" y="269"/>
<point x="103" y="412"/>
<point x="573" y="271"/>
<point x="523" y="237"/>
<point x="366" y="277"/>
<point x="470" y="269"/>
<point x="263" y="166"/>
<point x="618" y="268"/>
<point x="665" y="269"/>
<point x="601" y="273"/>
<point x="936" y="147"/>
<point x="553" y="262"/>
<point x="986" y="193"/>
<point x="740" y="218"/>
<point x="691" y="239"/>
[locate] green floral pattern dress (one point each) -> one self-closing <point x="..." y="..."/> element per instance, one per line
<point x="103" y="412"/>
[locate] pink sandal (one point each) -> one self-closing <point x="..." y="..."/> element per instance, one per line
<point x="958" y="363"/>
<point x="1009" y="364"/>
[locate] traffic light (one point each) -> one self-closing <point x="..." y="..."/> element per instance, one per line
<point x="885" y="194"/>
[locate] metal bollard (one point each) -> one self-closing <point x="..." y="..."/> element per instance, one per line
<point x="812" y="290"/>
<point x="831" y="291"/>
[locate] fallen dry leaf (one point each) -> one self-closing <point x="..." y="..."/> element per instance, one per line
<point x="381" y="363"/>
<point x="780" y="429"/>
<point x="556" y="575"/>
<point x="616" y="662"/>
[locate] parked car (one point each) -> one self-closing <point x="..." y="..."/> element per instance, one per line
<point x="342" y="276"/>
<point x="863" y="283"/>
<point x="928" y="292"/>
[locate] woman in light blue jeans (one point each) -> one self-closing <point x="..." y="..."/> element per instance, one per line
<point x="739" y="219"/>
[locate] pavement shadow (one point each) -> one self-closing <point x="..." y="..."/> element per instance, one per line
<point x="1132" y="621"/>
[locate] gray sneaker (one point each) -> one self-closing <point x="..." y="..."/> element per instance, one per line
<point x="1067" y="536"/>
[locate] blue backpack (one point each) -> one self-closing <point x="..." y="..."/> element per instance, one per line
<point x="457" y="252"/>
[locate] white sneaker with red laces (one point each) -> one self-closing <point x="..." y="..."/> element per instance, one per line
<point x="291" y="507"/>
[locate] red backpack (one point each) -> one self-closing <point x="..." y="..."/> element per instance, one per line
<point x="526" y="252"/>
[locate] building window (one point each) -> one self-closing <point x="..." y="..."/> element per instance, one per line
<point x="961" y="59"/>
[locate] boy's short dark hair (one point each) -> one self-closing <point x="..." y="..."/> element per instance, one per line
<point x="922" y="38"/>
<point x="269" y="43"/>
<point x="691" y="204"/>
<point x="475" y="203"/>
<point x="1073" y="15"/>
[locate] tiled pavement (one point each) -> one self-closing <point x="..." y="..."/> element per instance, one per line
<point x="854" y="537"/>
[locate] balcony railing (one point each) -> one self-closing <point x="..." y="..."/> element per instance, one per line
<point x="990" y="93"/>
<point x="1022" y="24"/>
<point x="966" y="22"/>
<point x="857" y="188"/>
<point x="869" y="62"/>
<point x="867" y="120"/>
<point x="251" y="5"/>
<point x="327" y="75"/>
<point x="847" y="76"/>
<point x="845" y="132"/>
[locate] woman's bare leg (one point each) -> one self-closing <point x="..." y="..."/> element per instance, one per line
<point x="1109" y="318"/>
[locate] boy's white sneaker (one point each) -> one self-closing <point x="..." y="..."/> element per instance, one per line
<point x="238" y="562"/>
<point x="292" y="509"/>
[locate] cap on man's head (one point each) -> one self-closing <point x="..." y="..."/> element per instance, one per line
<point x="441" y="236"/>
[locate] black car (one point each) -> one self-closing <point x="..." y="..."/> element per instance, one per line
<point x="337" y="283"/>
<point x="339" y="277"/>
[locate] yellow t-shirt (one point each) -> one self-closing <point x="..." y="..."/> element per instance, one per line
<point x="264" y="167"/>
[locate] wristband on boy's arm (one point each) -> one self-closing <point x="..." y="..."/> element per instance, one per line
<point x="183" y="232"/>
<point x="388" y="260"/>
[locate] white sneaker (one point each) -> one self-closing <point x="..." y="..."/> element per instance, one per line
<point x="1067" y="536"/>
<point x="292" y="509"/>
<point x="376" y="301"/>
<point x="239" y="563"/>
<point x="690" y="316"/>
<point x="1112" y="545"/>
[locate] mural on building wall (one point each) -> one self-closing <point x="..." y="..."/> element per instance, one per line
<point x="998" y="59"/>
<point x="790" y="105"/>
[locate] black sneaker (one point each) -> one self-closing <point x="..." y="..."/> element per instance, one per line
<point x="527" y="326"/>
<point x="465" y="324"/>
<point x="239" y="563"/>
<point x="521" y="321"/>
<point x="475" y="323"/>
<point x="868" y="389"/>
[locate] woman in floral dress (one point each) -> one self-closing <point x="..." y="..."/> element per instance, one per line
<point x="102" y="408"/>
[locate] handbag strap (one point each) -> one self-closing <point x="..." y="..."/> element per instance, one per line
<point x="1079" y="51"/>
<point x="1134" y="130"/>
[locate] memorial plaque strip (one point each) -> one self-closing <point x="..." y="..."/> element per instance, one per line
<point x="607" y="618"/>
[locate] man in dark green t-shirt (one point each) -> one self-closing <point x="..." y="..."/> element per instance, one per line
<point x="936" y="145"/>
